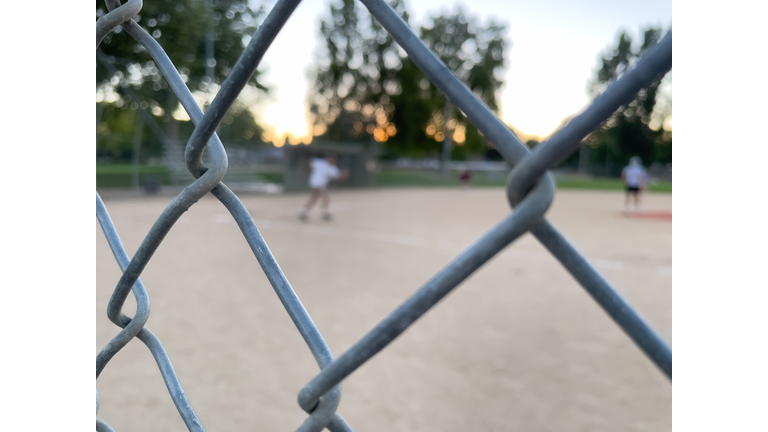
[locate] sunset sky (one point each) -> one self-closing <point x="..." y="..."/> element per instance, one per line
<point x="554" y="51"/>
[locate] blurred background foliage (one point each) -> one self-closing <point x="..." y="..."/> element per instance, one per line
<point x="180" y="27"/>
<point x="364" y="89"/>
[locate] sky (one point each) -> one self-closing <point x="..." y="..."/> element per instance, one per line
<point x="555" y="46"/>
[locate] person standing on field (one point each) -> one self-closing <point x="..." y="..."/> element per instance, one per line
<point x="466" y="178"/>
<point x="322" y="171"/>
<point x="635" y="178"/>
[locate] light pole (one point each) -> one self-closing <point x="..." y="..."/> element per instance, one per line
<point x="210" y="62"/>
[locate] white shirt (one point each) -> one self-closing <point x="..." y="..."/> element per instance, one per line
<point x="322" y="173"/>
<point x="635" y="175"/>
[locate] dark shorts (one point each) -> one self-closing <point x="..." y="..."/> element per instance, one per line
<point x="633" y="189"/>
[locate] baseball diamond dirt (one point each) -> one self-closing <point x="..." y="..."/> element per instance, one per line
<point x="519" y="346"/>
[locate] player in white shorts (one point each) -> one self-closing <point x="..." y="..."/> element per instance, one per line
<point x="322" y="171"/>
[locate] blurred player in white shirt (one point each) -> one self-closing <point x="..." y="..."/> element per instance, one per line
<point x="635" y="178"/>
<point x="322" y="171"/>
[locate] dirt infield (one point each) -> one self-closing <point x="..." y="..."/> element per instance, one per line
<point x="518" y="346"/>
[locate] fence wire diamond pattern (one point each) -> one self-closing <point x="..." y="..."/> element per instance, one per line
<point x="530" y="191"/>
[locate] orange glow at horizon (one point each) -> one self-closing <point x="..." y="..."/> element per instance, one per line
<point x="282" y="122"/>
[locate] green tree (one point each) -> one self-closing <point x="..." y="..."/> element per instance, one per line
<point x="475" y="54"/>
<point x="357" y="74"/>
<point x="634" y="129"/>
<point x="180" y="27"/>
<point x="366" y="86"/>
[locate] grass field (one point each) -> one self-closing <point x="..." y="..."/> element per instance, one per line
<point x="608" y="184"/>
<point x="434" y="178"/>
<point x="119" y="176"/>
<point x="495" y="179"/>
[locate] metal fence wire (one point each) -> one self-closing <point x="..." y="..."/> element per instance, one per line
<point x="529" y="188"/>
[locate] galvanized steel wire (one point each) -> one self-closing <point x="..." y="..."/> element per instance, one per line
<point x="530" y="191"/>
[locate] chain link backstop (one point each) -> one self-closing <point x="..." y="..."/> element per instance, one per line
<point x="530" y="191"/>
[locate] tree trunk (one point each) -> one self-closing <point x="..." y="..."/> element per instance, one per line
<point x="136" y="147"/>
<point x="172" y="129"/>
<point x="584" y="159"/>
<point x="447" y="139"/>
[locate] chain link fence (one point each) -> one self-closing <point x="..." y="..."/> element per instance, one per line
<point x="529" y="188"/>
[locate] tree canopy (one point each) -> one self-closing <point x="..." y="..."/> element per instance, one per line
<point x="358" y="71"/>
<point x="635" y="129"/>
<point x="366" y="87"/>
<point x="180" y="27"/>
<point x="475" y="54"/>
